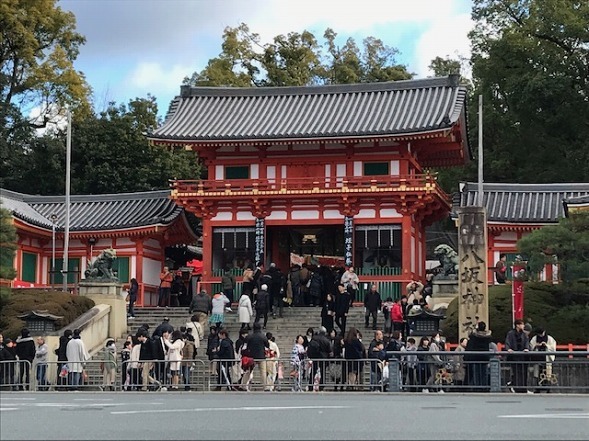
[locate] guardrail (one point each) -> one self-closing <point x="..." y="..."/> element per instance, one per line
<point x="403" y="371"/>
<point x="274" y="374"/>
<point x="470" y="371"/>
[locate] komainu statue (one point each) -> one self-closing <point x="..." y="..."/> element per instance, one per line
<point x="101" y="268"/>
<point x="448" y="260"/>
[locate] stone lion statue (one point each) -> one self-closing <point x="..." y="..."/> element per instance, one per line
<point x="101" y="268"/>
<point x="448" y="259"/>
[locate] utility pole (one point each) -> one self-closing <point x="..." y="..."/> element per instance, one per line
<point x="68" y="161"/>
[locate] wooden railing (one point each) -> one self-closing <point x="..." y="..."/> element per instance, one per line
<point x="316" y="184"/>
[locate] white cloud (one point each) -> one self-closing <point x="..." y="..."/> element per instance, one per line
<point x="448" y="38"/>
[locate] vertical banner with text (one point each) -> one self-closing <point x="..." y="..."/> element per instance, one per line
<point x="517" y="290"/>
<point x="259" y="250"/>
<point x="348" y="240"/>
<point x="473" y="300"/>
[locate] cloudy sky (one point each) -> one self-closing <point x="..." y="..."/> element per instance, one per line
<point x="136" y="47"/>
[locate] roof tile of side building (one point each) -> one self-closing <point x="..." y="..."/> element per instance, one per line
<point x="257" y="113"/>
<point x="94" y="212"/>
<point x="521" y="203"/>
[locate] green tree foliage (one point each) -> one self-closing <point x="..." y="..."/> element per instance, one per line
<point x="58" y="303"/>
<point x="567" y="242"/>
<point x="7" y="244"/>
<point x="110" y="153"/>
<point x="38" y="45"/>
<point x="297" y="59"/>
<point x="553" y="307"/>
<point x="530" y="61"/>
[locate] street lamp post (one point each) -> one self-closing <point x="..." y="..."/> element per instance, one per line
<point x="53" y="220"/>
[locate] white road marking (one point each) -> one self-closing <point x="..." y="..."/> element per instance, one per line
<point x="549" y="416"/>
<point x="224" y="409"/>
<point x="93" y="399"/>
<point x="2" y="409"/>
<point x="4" y="399"/>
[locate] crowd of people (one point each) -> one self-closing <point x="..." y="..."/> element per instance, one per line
<point x="19" y="357"/>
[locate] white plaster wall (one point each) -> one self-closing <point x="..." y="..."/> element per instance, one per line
<point x="218" y="172"/>
<point x="278" y="215"/>
<point x="245" y="215"/>
<point x="332" y="214"/>
<point x="357" y="168"/>
<point x="366" y="213"/>
<point x="395" y="168"/>
<point x="151" y="271"/>
<point x="389" y="212"/>
<point x="223" y="216"/>
<point x="124" y="241"/>
<point x="255" y="171"/>
<point x="507" y="235"/>
<point x="305" y="214"/>
<point x="152" y="243"/>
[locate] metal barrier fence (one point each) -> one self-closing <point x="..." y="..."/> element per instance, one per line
<point x="405" y="371"/>
<point x="247" y="374"/>
<point x="154" y="375"/>
<point x="523" y="372"/>
<point x="16" y="375"/>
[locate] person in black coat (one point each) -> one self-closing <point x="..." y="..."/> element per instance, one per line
<point x="319" y="350"/>
<point x="328" y="313"/>
<point x="476" y="365"/>
<point x="518" y="341"/>
<point x="164" y="326"/>
<point x="342" y="307"/>
<point x="226" y="355"/>
<point x="372" y="304"/>
<point x="8" y="353"/>
<point x="25" y="351"/>
<point x="160" y="350"/>
<point x="145" y="357"/>
<point x="256" y="344"/>
<point x="262" y="304"/>
<point x="62" y="357"/>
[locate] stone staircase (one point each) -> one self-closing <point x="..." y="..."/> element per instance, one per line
<point x="295" y="321"/>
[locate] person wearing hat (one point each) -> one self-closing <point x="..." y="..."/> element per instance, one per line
<point x="518" y="341"/>
<point x="164" y="326"/>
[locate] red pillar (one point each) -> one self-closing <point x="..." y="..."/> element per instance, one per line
<point x="406" y="244"/>
<point x="207" y="249"/>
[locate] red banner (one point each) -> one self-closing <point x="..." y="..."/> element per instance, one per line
<point x="517" y="291"/>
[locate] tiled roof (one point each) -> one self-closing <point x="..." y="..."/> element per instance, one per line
<point x="521" y="203"/>
<point x="348" y="110"/>
<point x="94" y="212"/>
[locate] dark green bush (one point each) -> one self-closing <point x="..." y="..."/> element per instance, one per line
<point x="21" y="301"/>
<point x="561" y="309"/>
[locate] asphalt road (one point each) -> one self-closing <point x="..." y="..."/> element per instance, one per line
<point x="278" y="416"/>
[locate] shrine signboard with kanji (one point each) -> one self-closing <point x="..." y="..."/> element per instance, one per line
<point x="473" y="298"/>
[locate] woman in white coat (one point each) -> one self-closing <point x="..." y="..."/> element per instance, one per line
<point x="175" y="347"/>
<point x="245" y="311"/>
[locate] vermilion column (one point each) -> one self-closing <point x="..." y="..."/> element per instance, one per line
<point x="406" y="243"/>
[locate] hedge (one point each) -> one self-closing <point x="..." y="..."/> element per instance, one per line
<point x="563" y="310"/>
<point x="20" y="301"/>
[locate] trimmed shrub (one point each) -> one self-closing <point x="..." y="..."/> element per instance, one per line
<point x="561" y="309"/>
<point x="21" y="301"/>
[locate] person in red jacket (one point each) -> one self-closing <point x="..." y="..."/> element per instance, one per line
<point x="397" y="317"/>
